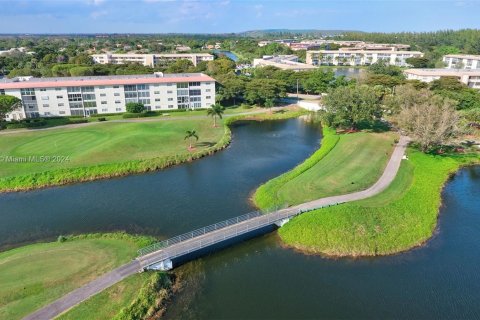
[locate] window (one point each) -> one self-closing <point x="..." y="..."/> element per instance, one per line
<point x="118" y="109"/>
<point x="170" y="99"/>
<point x="196" y="92"/>
<point x="103" y="94"/>
<point x="101" y="87"/>
<point x="61" y="104"/>
<point x="157" y="107"/>
<point x="142" y="87"/>
<point x="46" y="105"/>
<point x="130" y="87"/>
<point x="209" y="97"/>
<point x="43" y="89"/>
<point x="73" y="89"/>
<point x="58" y="89"/>
<point x="182" y="85"/>
<point x="157" y="99"/>
<point x="59" y="97"/>
<point x="208" y="90"/>
<point x="87" y="89"/>
<point x="170" y="106"/>
<point x="45" y="98"/>
<point x="118" y="101"/>
<point x="116" y="87"/>
<point x="169" y="92"/>
<point x="144" y="94"/>
<point x="156" y="92"/>
<point x="2" y="92"/>
<point x="104" y="102"/>
<point x="27" y="92"/>
<point x="117" y="94"/>
<point x="47" y="113"/>
<point x="104" y="110"/>
<point x="194" y="84"/>
<point x="88" y="96"/>
<point x="61" y="112"/>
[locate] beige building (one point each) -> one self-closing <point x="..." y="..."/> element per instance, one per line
<point x="150" y="60"/>
<point x="284" y="62"/>
<point x="462" y="61"/>
<point x="347" y="57"/>
<point x="84" y="96"/>
<point x="469" y="77"/>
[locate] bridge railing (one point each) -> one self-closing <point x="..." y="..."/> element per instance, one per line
<point x="196" y="233"/>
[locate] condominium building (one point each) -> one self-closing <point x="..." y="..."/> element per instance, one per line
<point x="150" y="60"/>
<point x="469" y="77"/>
<point x="360" y="57"/>
<point x="284" y="62"/>
<point x="84" y="96"/>
<point x="462" y="61"/>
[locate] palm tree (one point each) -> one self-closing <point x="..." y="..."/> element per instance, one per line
<point x="269" y="103"/>
<point x="216" y="111"/>
<point x="190" y="134"/>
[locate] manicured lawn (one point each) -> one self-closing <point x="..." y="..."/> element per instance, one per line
<point x="103" y="143"/>
<point x="344" y="164"/>
<point x="401" y="217"/>
<point x="34" y="275"/>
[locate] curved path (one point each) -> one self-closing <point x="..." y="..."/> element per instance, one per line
<point x="83" y="293"/>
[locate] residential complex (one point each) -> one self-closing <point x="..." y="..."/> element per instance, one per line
<point x="150" y="60"/>
<point x="360" y="57"/>
<point x="284" y="62"/>
<point x="84" y="96"/>
<point x="469" y="77"/>
<point x="462" y="61"/>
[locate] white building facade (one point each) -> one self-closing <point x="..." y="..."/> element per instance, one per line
<point x="461" y="61"/>
<point x="150" y="60"/>
<point x="360" y="57"/>
<point x="469" y="77"/>
<point x="84" y="96"/>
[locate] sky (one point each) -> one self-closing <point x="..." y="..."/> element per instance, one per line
<point x="223" y="16"/>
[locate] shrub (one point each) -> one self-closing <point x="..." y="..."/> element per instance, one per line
<point x="135" y="107"/>
<point x="102" y="119"/>
<point x="61" y="238"/>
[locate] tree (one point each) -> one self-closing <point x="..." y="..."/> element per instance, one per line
<point x="419" y="62"/>
<point x="135" y="107"/>
<point x="319" y="81"/>
<point x="347" y="107"/>
<point x="269" y="103"/>
<point x="231" y="87"/>
<point x="216" y="111"/>
<point x="382" y="67"/>
<point x="430" y="123"/>
<point x="190" y="135"/>
<point x="221" y="65"/>
<point x="259" y="90"/>
<point x="8" y="104"/>
<point x="81" y="71"/>
<point x="180" y="66"/>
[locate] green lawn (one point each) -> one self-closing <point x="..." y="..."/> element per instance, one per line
<point x="104" y="143"/>
<point x="344" y="164"/>
<point x="401" y="217"/>
<point x="35" y="275"/>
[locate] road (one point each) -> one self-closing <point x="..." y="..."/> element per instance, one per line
<point x="83" y="293"/>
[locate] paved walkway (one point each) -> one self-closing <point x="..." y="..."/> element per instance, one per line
<point x="83" y="293"/>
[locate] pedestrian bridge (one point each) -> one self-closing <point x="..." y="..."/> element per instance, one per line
<point x="167" y="254"/>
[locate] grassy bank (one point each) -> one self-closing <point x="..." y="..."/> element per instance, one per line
<point x="401" y="217"/>
<point x="137" y="297"/>
<point x="109" y="150"/>
<point x="35" y="275"/>
<point x="343" y="164"/>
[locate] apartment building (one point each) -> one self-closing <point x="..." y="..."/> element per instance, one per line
<point x="462" y="61"/>
<point x="84" y="96"/>
<point x="150" y="60"/>
<point x="360" y="57"/>
<point x="469" y="77"/>
<point x="284" y="62"/>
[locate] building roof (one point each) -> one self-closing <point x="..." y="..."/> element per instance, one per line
<point x="463" y="56"/>
<point x="367" y="51"/>
<point x="152" y="54"/>
<point x="444" y="72"/>
<point x="30" y="82"/>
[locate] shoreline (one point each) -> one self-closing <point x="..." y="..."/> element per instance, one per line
<point x="420" y="245"/>
<point x="62" y="177"/>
